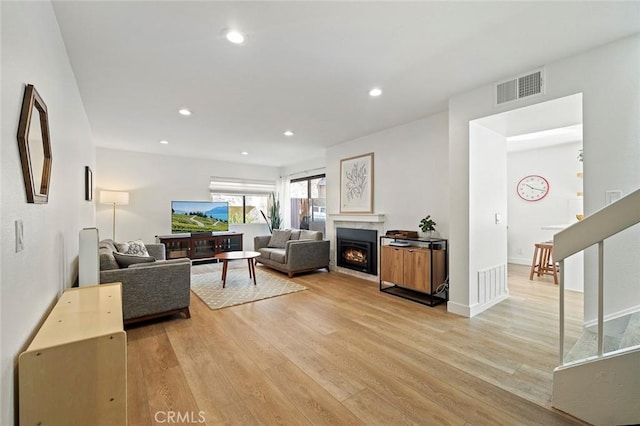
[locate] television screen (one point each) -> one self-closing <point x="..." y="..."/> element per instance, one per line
<point x="199" y="216"/>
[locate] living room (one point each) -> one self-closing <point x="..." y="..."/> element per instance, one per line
<point x="422" y="166"/>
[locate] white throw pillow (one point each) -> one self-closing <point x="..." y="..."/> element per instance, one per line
<point x="135" y="248"/>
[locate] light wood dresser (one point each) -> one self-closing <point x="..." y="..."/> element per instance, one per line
<point x="74" y="372"/>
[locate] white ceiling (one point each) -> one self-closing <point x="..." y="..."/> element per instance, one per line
<point x="305" y="66"/>
<point x="563" y="114"/>
<point x="569" y="134"/>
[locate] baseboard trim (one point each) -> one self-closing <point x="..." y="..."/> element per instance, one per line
<point x="519" y="261"/>
<point x="629" y="311"/>
<point x="471" y="311"/>
<point x="458" y="309"/>
<point x="478" y="308"/>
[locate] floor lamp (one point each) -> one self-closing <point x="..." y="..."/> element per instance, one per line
<point x="120" y="198"/>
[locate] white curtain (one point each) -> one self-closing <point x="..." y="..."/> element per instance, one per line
<point x="285" y="205"/>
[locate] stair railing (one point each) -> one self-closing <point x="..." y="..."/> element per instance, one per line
<point x="592" y="230"/>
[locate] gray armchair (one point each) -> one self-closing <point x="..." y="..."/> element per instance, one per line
<point x="149" y="290"/>
<point x="296" y="251"/>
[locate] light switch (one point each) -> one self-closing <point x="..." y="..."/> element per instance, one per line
<point x="498" y="218"/>
<point x="19" y="236"/>
<point x="612" y="196"/>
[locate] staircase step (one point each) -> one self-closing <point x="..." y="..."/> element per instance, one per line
<point x="619" y="333"/>
<point x="587" y="346"/>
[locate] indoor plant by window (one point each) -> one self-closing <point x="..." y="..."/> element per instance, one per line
<point x="275" y="219"/>
<point x="427" y="226"/>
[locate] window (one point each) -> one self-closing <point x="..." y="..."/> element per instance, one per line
<point x="309" y="203"/>
<point x="244" y="208"/>
<point x="246" y="198"/>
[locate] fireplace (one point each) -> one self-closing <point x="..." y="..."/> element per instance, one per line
<point x="357" y="249"/>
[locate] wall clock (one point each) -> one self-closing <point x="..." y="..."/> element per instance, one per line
<point x="533" y="188"/>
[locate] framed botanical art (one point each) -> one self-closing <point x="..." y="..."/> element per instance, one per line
<point x="356" y="184"/>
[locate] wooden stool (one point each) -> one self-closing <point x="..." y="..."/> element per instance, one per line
<point x="542" y="262"/>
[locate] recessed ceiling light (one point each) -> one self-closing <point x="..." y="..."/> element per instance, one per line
<point x="244" y="153"/>
<point x="184" y="111"/>
<point x="163" y="142"/>
<point x="375" y="92"/>
<point x="235" y="37"/>
<point x="288" y="133"/>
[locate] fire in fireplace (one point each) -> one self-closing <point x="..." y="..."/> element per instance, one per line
<point x="357" y="249"/>
<point x="357" y="256"/>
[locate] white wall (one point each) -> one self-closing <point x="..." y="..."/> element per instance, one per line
<point x="559" y="165"/>
<point x="305" y="168"/>
<point x="2" y="386"/>
<point x="487" y="197"/>
<point x="33" y="52"/>
<point x="410" y="173"/>
<point x="609" y="78"/>
<point x="153" y="181"/>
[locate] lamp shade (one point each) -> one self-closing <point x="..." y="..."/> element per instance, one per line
<point x="114" y="197"/>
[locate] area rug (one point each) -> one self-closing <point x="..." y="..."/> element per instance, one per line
<point x="206" y="282"/>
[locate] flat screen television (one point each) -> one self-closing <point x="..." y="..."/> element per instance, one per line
<point x="199" y="216"/>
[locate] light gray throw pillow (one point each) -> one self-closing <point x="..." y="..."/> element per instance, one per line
<point x="295" y="234"/>
<point x="309" y="235"/>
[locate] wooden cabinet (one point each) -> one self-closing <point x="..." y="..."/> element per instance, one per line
<point x="419" y="268"/>
<point x="200" y="246"/>
<point x="392" y="264"/>
<point x="74" y="372"/>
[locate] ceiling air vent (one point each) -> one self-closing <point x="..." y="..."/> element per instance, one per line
<point x="519" y="87"/>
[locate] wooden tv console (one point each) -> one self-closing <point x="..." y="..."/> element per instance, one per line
<point x="200" y="246"/>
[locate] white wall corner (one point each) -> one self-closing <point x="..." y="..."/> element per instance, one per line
<point x="458" y="309"/>
<point x="491" y="289"/>
<point x="472" y="311"/>
<point x="481" y="307"/>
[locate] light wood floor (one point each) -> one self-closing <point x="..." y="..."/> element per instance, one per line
<point x="341" y="352"/>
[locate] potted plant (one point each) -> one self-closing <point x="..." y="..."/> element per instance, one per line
<point x="274" y="212"/>
<point x="427" y="226"/>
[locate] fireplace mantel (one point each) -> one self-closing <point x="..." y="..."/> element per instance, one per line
<point x="366" y="217"/>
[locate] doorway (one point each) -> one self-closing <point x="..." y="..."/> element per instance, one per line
<point x="309" y="203"/>
<point x="543" y="140"/>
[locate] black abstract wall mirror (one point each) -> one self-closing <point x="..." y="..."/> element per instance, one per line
<point x="35" y="146"/>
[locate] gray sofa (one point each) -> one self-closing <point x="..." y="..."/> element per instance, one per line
<point x="293" y="251"/>
<point x="149" y="290"/>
